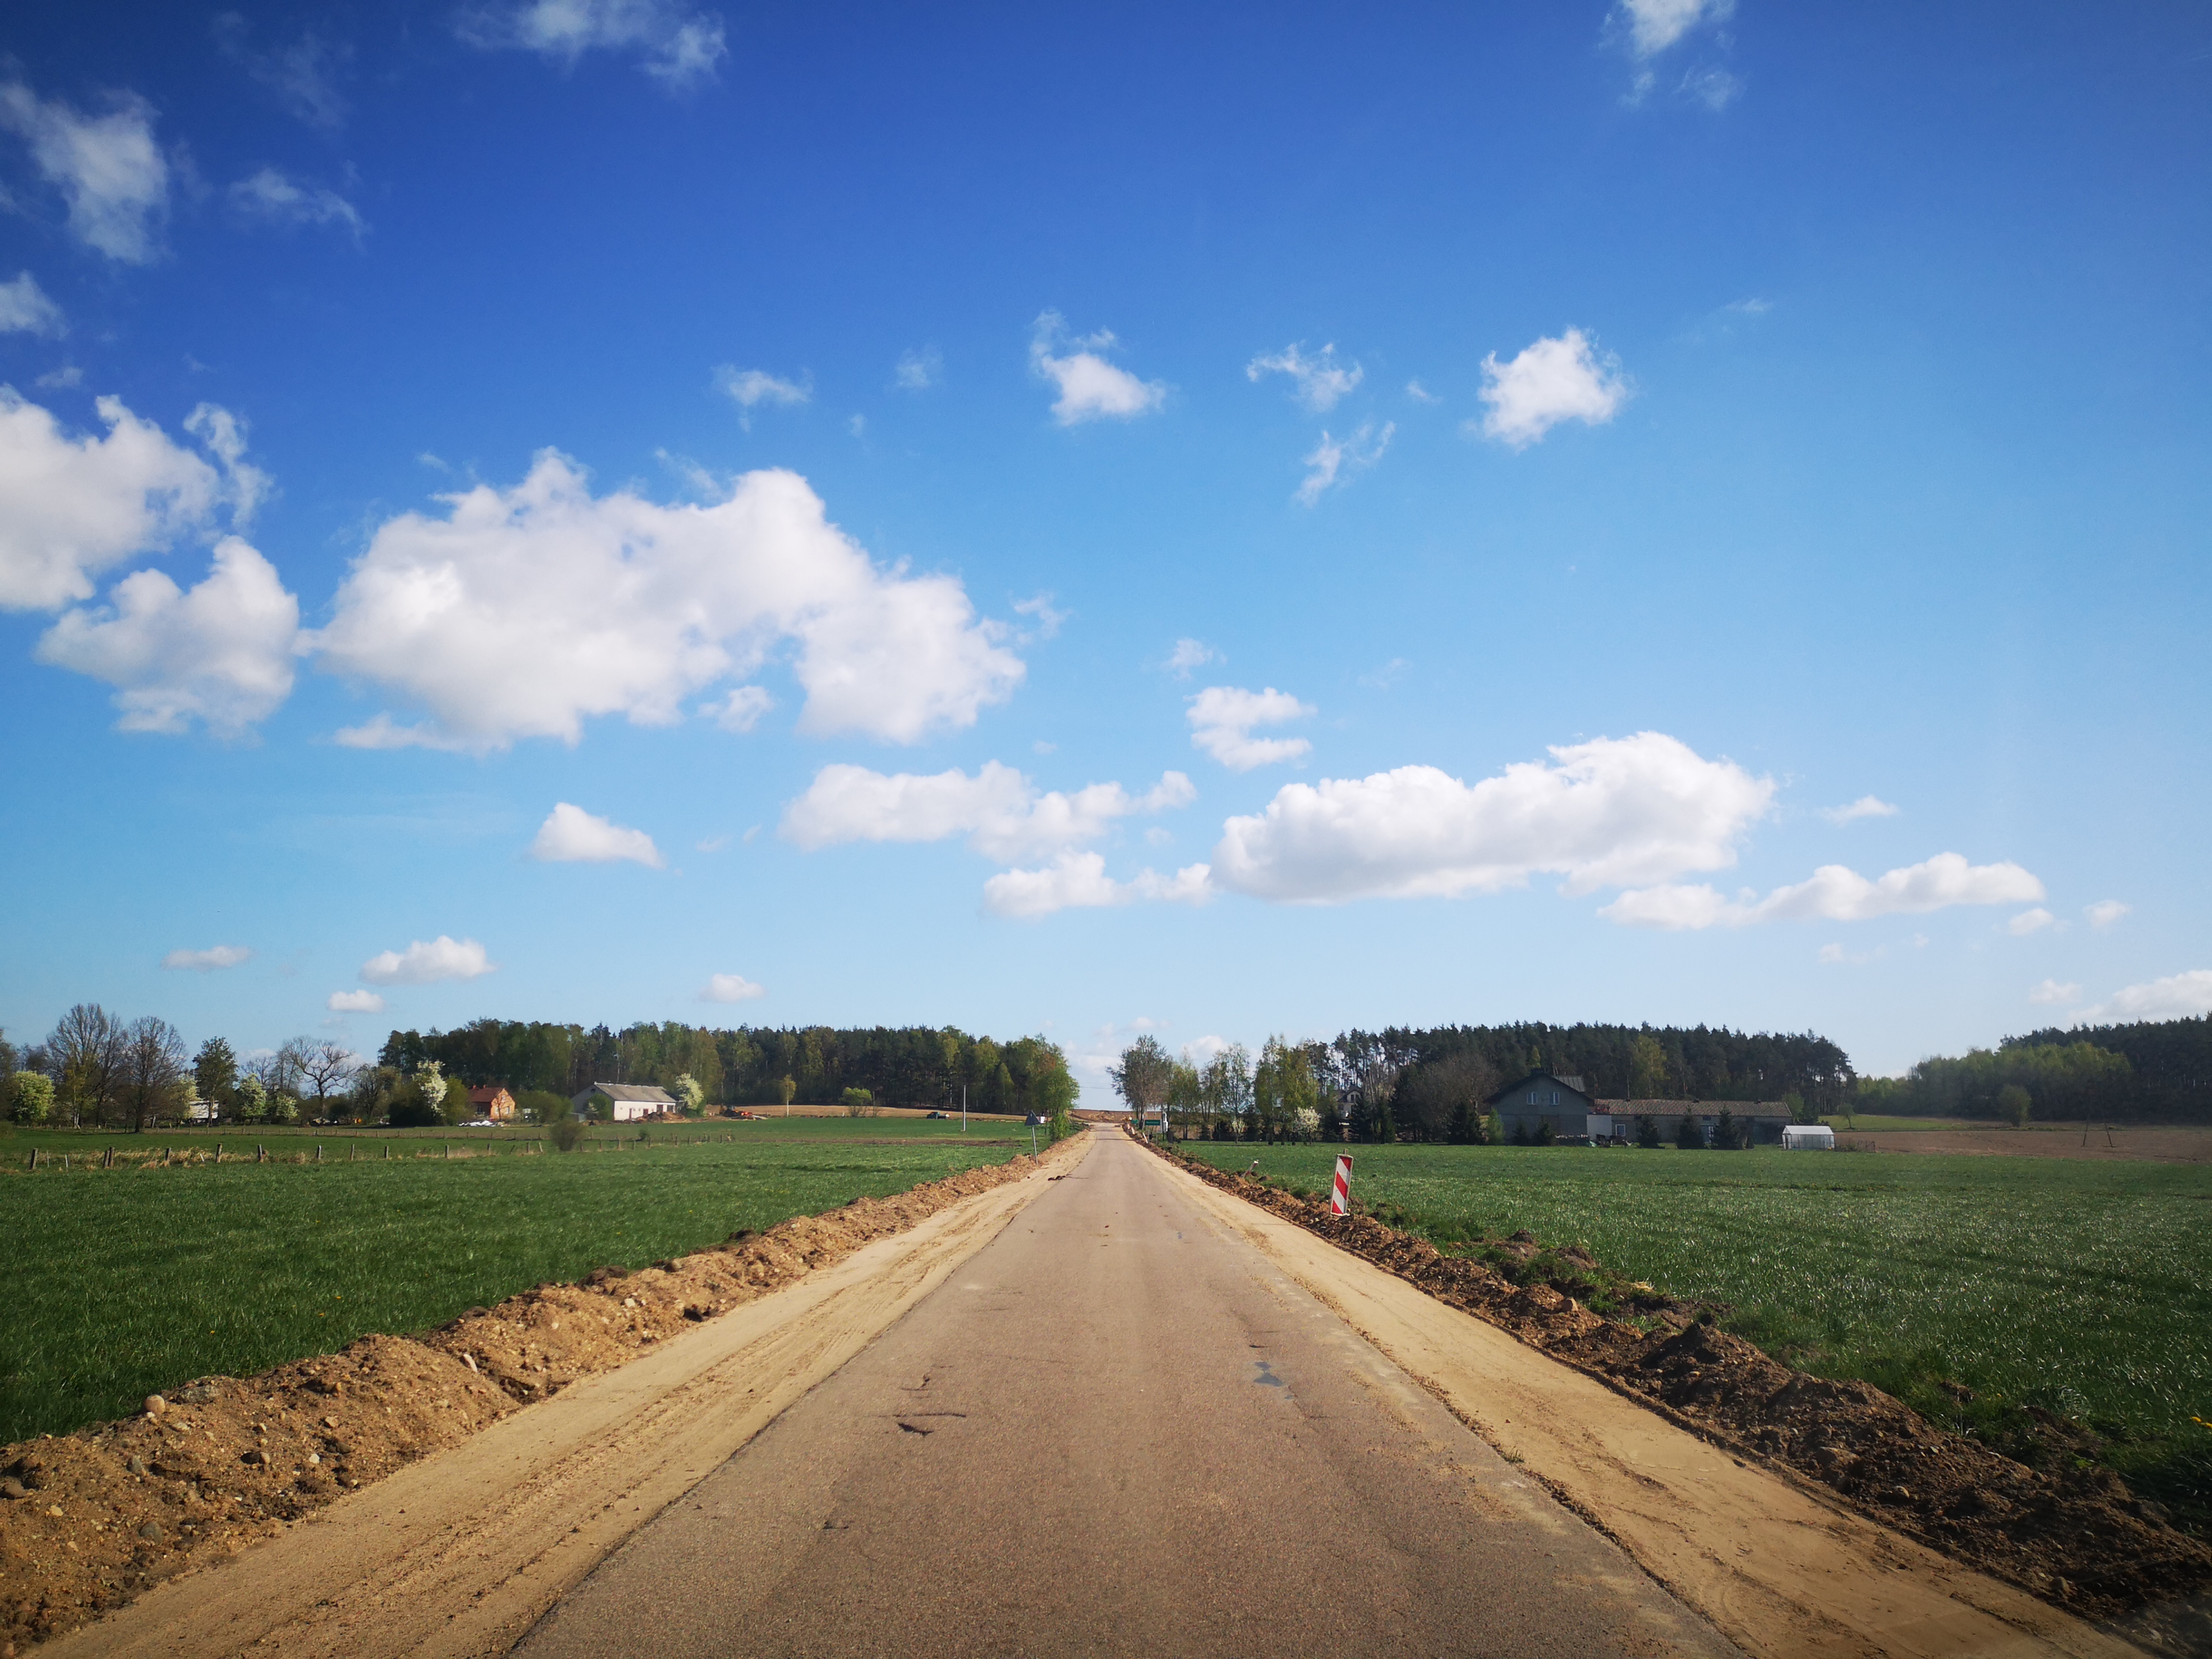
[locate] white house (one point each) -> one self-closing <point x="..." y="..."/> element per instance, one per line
<point x="623" y="1103"/>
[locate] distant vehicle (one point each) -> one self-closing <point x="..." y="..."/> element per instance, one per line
<point x="1809" y="1138"/>
<point x="937" y="1115"/>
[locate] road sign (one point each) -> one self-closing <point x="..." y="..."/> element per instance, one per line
<point x="1339" y="1201"/>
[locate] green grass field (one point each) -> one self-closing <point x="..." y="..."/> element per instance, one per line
<point x="2076" y="1287"/>
<point x="124" y="1282"/>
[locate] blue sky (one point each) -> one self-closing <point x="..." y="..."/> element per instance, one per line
<point x="1214" y="520"/>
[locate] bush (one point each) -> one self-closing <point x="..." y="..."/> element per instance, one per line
<point x="541" y="1106"/>
<point x="410" y="1111"/>
<point x="30" y="1097"/>
<point x="1691" y="1137"/>
<point x="859" y="1103"/>
<point x="567" y="1134"/>
<point x="1647" y="1132"/>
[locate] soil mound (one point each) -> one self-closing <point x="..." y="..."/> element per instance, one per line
<point x="90" y="1520"/>
<point x="2074" y="1537"/>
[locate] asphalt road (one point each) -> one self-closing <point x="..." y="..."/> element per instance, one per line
<point x="1118" y="1430"/>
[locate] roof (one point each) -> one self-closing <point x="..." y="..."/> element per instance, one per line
<point x="1702" y="1108"/>
<point x="486" y="1091"/>
<point x="639" y="1091"/>
<point x="1568" y="1082"/>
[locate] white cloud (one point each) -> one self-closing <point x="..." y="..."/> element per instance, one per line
<point x="1712" y="86"/>
<point x="748" y="388"/>
<point x="214" y="956"/>
<point x="730" y="987"/>
<point x="1320" y="379"/>
<point x="2054" y="991"/>
<point x="572" y="836"/>
<point x="1039" y="610"/>
<point x="108" y="167"/>
<point x="998" y="809"/>
<point x="1091" y="388"/>
<point x="1551" y="382"/>
<point x="221" y="653"/>
<point x="1834" y="893"/>
<point x="303" y="74"/>
<point x="71" y="506"/>
<point x="354" y="1002"/>
<point x="1188" y="654"/>
<point x="61" y="378"/>
<point x="524" y="611"/>
<point x="2030" y="921"/>
<point x="1332" y="462"/>
<point x="1079" y="881"/>
<point x="2177" y="996"/>
<point x="1383" y="678"/>
<point x="1421" y="394"/>
<point x="1600" y="814"/>
<point x="918" y="371"/>
<point x="1655" y="25"/>
<point x="2104" y="912"/>
<point x="674" y="42"/>
<point x="1866" y="806"/>
<point x="427" y="962"/>
<point x="269" y="197"/>
<point x="741" y="710"/>
<point x="25" y="309"/>
<point x="1222" y="718"/>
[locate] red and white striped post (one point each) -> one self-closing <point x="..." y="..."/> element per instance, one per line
<point x="1339" y="1201"/>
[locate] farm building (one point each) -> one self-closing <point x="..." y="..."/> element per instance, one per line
<point x="1544" y="1099"/>
<point x="493" y="1103"/>
<point x="623" y="1103"/>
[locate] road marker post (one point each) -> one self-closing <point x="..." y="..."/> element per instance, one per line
<point x="1340" y="1198"/>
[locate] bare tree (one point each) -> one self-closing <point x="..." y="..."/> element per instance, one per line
<point x="323" y="1068"/>
<point x="86" y="1053"/>
<point x="155" y="1060"/>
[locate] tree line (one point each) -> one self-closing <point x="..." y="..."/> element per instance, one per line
<point x="99" y="1069"/>
<point x="1435" y="1085"/>
<point x="2152" y="1072"/>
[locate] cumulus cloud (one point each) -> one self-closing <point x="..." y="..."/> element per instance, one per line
<point x="1079" y="881"/>
<point x="2104" y="912"/>
<point x="2030" y="921"/>
<point x="1091" y="388"/>
<point x="1835" y="893"/>
<point x="1335" y="461"/>
<point x="354" y="1002"/>
<point x="220" y="652"/>
<point x="1038" y="609"/>
<point x="1551" y="382"/>
<point x="1222" y="718"/>
<point x="2177" y="996"/>
<point x="998" y="811"/>
<point x="522" y="612"/>
<point x="2054" y="991"/>
<point x="572" y="836"/>
<point x="70" y="506"/>
<point x="1318" y="381"/>
<point x="1866" y="806"/>
<point x="1188" y="654"/>
<point x="271" y="196"/>
<point x="303" y="74"/>
<point x="25" y="309"/>
<point x="918" y="371"/>
<point x="741" y="710"/>
<point x="207" y="961"/>
<point x="748" y="388"/>
<point x="677" y="43"/>
<point x="427" y="962"/>
<point x="108" y="167"/>
<point x="730" y="987"/>
<point x="1653" y="25"/>
<point x="1602" y="813"/>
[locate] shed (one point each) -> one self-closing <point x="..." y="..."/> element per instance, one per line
<point x="1764" y="1120"/>
<point x="1809" y="1138"/>
<point x="624" y="1102"/>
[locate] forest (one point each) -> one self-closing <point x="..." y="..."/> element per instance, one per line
<point x="898" y="1065"/>
<point x="2152" y="1072"/>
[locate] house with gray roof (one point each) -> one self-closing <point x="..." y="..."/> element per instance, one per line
<point x="623" y="1103"/>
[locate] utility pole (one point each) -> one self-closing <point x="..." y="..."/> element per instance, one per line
<point x="963" y="1109"/>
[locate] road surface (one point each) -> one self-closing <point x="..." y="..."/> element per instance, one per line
<point x="1118" y="1430"/>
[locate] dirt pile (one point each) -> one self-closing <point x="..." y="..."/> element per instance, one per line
<point x="90" y="1520"/>
<point x="2074" y="1536"/>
